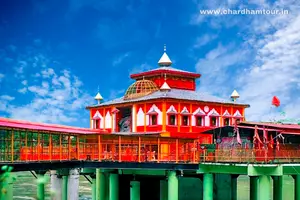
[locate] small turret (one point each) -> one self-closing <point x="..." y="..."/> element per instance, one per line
<point x="165" y="61"/>
<point x="235" y="95"/>
<point x="98" y="97"/>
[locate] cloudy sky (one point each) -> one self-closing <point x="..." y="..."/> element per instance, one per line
<point x="54" y="55"/>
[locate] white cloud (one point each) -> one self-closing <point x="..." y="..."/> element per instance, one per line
<point x="274" y="68"/>
<point x="204" y="39"/>
<point x="45" y="94"/>
<point x="1" y="77"/>
<point x="120" y="59"/>
<point x="141" y="68"/>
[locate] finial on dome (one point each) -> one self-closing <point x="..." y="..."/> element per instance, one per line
<point x="235" y="95"/>
<point x="165" y="61"/>
<point x="98" y="97"/>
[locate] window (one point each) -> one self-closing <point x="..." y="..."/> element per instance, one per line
<point x="226" y="122"/>
<point x="97" y="123"/>
<point x="185" y="120"/>
<point x="153" y="119"/>
<point x="172" y="119"/>
<point x="199" y="120"/>
<point x="213" y="121"/>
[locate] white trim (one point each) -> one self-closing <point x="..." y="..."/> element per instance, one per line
<point x="185" y="111"/>
<point x="226" y="114"/>
<point x="213" y="111"/>
<point x="237" y="114"/>
<point x="172" y="110"/>
<point x="97" y="115"/>
<point x="199" y="111"/>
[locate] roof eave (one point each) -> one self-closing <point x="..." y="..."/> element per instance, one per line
<point x="159" y="71"/>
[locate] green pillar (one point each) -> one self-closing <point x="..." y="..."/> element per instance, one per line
<point x="163" y="190"/>
<point x="40" y="186"/>
<point x="253" y="187"/>
<point x="113" y="186"/>
<point x="208" y="186"/>
<point x="94" y="187"/>
<point x="264" y="187"/>
<point x="134" y="190"/>
<point x="277" y="187"/>
<point x="297" y="186"/>
<point x="64" y="192"/>
<point x="234" y="179"/>
<point x="172" y="186"/>
<point x="7" y="189"/>
<point x="101" y="185"/>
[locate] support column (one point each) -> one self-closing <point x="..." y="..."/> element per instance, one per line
<point x="253" y="187"/>
<point x="234" y="179"/>
<point x="264" y="187"/>
<point x="7" y="189"/>
<point x="297" y="186"/>
<point x="113" y="186"/>
<point x="163" y="190"/>
<point x="64" y="192"/>
<point x="56" y="185"/>
<point x="40" y="185"/>
<point x="208" y="184"/>
<point x="135" y="190"/>
<point x="172" y="186"/>
<point x="94" y="187"/>
<point x="101" y="185"/>
<point x="73" y="184"/>
<point x="277" y="187"/>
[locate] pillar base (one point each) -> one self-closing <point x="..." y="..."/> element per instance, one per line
<point x="172" y="186"/>
<point x="135" y="190"/>
<point x="208" y="186"/>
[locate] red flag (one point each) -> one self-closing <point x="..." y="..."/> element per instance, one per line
<point x="256" y="137"/>
<point x="275" y="101"/>
<point x="277" y="143"/>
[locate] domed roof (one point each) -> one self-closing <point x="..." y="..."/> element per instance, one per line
<point x="140" y="88"/>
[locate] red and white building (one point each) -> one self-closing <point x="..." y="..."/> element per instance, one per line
<point x="165" y="101"/>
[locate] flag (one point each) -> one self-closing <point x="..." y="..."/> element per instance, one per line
<point x="236" y="131"/>
<point x="275" y="101"/>
<point x="277" y="144"/>
<point x="256" y="137"/>
<point x="265" y="135"/>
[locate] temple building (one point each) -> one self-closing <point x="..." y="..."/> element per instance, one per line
<point x="165" y="101"/>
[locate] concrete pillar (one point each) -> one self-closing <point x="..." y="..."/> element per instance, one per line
<point x="163" y="184"/>
<point x="7" y="189"/>
<point x="253" y="187"/>
<point x="234" y="179"/>
<point x="277" y="187"/>
<point x="264" y="187"/>
<point x="297" y="186"/>
<point x="172" y="186"/>
<point x="113" y="186"/>
<point x="73" y="184"/>
<point x="208" y="184"/>
<point x="56" y="185"/>
<point x="135" y="190"/>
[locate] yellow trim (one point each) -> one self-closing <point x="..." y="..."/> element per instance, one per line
<point x="112" y="120"/>
<point x="158" y="150"/>
<point x="243" y="114"/>
<point x="139" y="150"/>
<point x="178" y="118"/>
<point x="164" y="116"/>
<point x="165" y="134"/>
<point x="145" y="122"/>
<point x="135" y="119"/>
<point x="99" y="148"/>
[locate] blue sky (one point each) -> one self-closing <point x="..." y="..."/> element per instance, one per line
<point x="55" y="54"/>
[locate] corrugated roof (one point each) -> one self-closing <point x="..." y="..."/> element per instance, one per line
<point x="173" y="94"/>
<point x="274" y="125"/>
<point x="20" y="124"/>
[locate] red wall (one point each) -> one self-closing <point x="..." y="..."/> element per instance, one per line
<point x="175" y="82"/>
